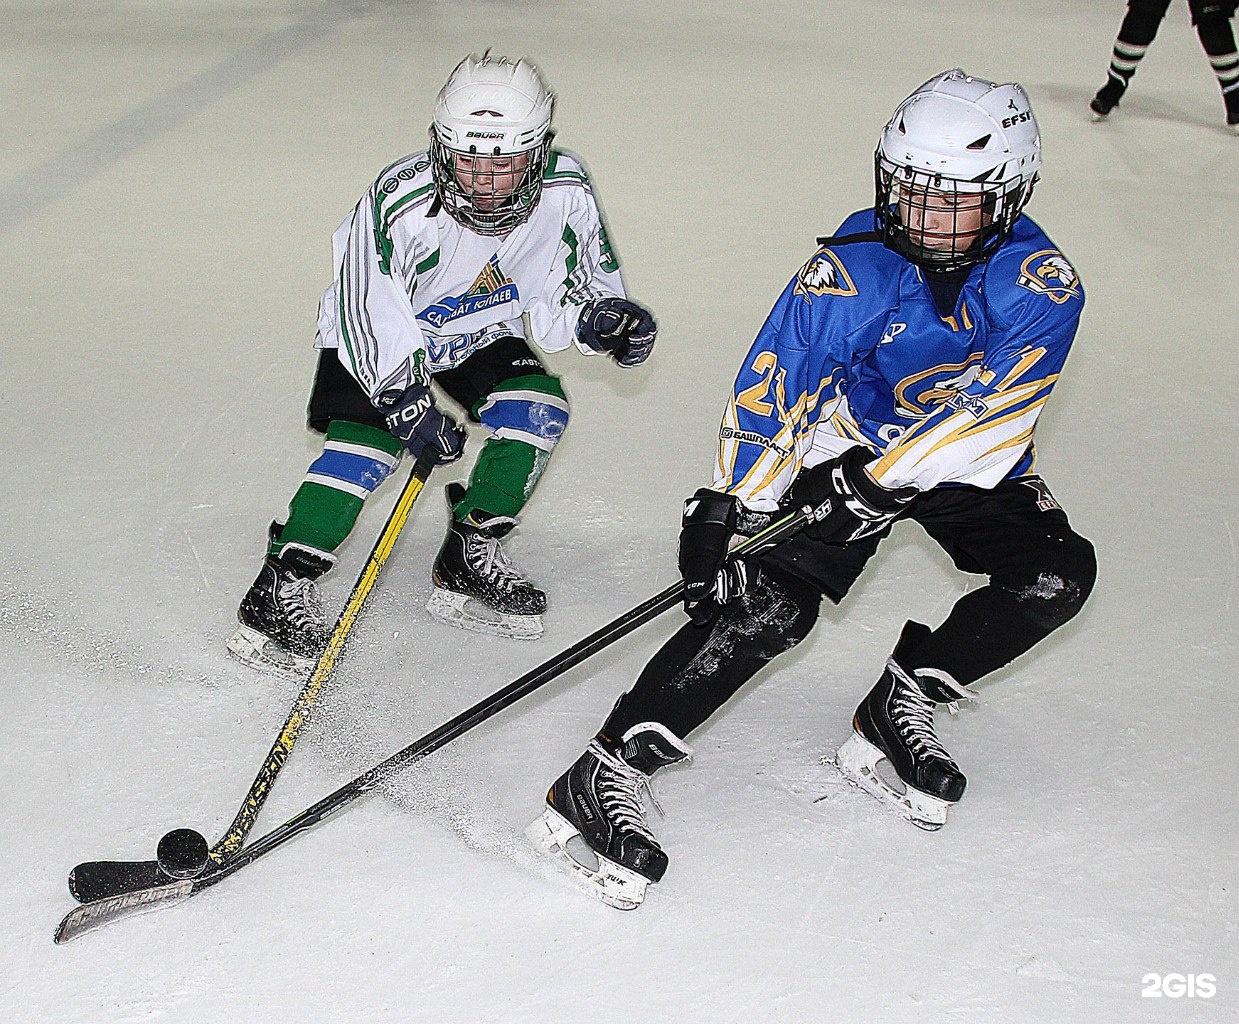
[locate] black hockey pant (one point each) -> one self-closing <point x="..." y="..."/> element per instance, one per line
<point x="1040" y="573"/>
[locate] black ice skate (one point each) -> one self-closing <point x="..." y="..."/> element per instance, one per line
<point x="895" y="722"/>
<point x="476" y="585"/>
<point x="1107" y="99"/>
<point x="1231" y="98"/>
<point x="594" y="823"/>
<point x="282" y="628"/>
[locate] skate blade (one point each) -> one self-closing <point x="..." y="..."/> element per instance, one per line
<point x="858" y="759"/>
<point x="251" y="648"/>
<point x="614" y="884"/>
<point x="462" y="611"/>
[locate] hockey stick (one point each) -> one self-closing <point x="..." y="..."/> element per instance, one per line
<point x="101" y="912"/>
<point x="185" y="851"/>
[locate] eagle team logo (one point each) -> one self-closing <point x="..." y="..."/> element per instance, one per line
<point x="1048" y="273"/>
<point x="824" y="274"/>
<point x="492" y="288"/>
<point x="919" y="395"/>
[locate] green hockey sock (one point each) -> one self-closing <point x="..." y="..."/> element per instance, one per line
<point x="355" y="460"/>
<point x="503" y="479"/>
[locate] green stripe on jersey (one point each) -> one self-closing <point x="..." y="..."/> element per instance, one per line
<point x="553" y="173"/>
<point x="382" y="219"/>
<point x="571" y="260"/>
<point x="429" y="263"/>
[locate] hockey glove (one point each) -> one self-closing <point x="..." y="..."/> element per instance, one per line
<point x="619" y="327"/>
<point x="847" y="502"/>
<point x="416" y="422"/>
<point x="711" y="579"/>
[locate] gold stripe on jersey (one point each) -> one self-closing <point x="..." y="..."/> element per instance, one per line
<point x="783" y="446"/>
<point x="1026" y="361"/>
<point x="923" y="441"/>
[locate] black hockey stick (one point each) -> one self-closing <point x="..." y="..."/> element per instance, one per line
<point x="103" y="911"/>
<point x="183" y="853"/>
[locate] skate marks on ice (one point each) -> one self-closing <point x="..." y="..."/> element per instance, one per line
<point x="61" y="175"/>
<point x="54" y="628"/>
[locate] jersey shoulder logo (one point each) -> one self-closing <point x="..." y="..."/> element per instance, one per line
<point x="491" y="288"/>
<point x="1048" y="273"/>
<point x="824" y="274"/>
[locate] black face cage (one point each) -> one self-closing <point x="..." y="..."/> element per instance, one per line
<point x="1001" y="205"/>
<point x="516" y="207"/>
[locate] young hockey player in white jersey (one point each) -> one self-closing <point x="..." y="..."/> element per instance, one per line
<point x="437" y="268"/>
<point x="899" y="376"/>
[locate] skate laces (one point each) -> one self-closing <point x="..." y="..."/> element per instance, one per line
<point x="488" y="558"/>
<point x="302" y="603"/>
<point x="619" y="789"/>
<point x="913" y="712"/>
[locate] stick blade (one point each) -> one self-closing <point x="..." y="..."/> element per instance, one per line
<point x="94" y="915"/>
<point x="100" y="879"/>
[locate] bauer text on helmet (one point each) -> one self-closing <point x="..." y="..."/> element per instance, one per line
<point x="489" y="142"/>
<point x="954" y="167"/>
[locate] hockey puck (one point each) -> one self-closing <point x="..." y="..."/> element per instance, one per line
<point x="182" y="853"/>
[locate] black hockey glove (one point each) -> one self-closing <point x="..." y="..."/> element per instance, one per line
<point x="618" y="327"/>
<point x="847" y="502"/>
<point x="711" y="579"/>
<point x="416" y="422"/>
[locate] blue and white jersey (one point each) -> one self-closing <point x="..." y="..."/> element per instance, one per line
<point x="415" y="292"/>
<point x="856" y="352"/>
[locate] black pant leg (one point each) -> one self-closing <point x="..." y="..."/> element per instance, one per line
<point x="1040" y="574"/>
<point x="1141" y="21"/>
<point x="337" y="396"/>
<point x="699" y="669"/>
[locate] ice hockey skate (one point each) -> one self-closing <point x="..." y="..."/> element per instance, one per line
<point x="282" y="628"/>
<point x="1107" y="98"/>
<point x="594" y="824"/>
<point x="476" y="586"/>
<point x="895" y="723"/>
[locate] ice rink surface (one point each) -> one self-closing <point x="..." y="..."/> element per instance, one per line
<point x="170" y="177"/>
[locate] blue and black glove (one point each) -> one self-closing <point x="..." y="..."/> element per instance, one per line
<point x="417" y="423"/>
<point x="619" y="327"/>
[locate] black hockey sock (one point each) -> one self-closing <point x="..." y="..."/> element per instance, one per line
<point x="698" y="670"/>
<point x="1218" y="39"/>
<point x="1137" y="31"/>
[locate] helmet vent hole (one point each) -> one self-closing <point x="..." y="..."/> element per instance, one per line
<point x="980" y="143"/>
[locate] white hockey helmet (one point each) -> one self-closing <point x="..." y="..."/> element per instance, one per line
<point x="955" y="136"/>
<point x="498" y="110"/>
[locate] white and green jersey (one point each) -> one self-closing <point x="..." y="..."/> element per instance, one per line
<point x="415" y="292"/>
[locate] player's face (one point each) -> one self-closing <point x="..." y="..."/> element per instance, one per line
<point x="489" y="181"/>
<point x="943" y="221"/>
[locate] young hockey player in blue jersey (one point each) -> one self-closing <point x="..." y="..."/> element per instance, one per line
<point x="899" y="377"/>
<point x="455" y="259"/>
